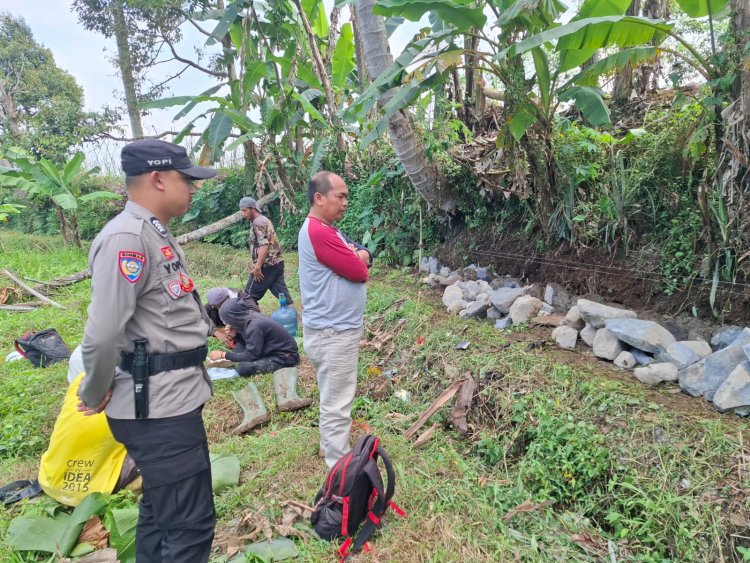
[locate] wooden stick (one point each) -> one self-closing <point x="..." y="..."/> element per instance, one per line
<point x="446" y="396"/>
<point x="17" y="308"/>
<point x="426" y="436"/>
<point x="32" y="291"/>
<point x="62" y="281"/>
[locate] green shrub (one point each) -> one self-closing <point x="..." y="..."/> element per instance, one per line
<point x="565" y="460"/>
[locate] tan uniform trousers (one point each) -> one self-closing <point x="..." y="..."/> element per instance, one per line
<point x="334" y="355"/>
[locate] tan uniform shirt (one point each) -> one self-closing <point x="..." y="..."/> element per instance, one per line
<point x="141" y="289"/>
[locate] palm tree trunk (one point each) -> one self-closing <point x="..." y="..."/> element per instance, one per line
<point x="126" y="68"/>
<point x="426" y="178"/>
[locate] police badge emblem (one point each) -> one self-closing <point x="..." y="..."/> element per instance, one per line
<point x="131" y="264"/>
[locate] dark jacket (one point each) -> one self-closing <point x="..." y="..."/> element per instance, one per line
<point x="259" y="336"/>
<point x="213" y="312"/>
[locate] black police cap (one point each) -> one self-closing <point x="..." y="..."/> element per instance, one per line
<point x="146" y="155"/>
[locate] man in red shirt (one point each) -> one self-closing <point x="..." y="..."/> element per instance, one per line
<point x="332" y="276"/>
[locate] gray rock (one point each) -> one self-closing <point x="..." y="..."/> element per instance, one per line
<point x="606" y="345"/>
<point x="625" y="360"/>
<point x="504" y="297"/>
<point x="496" y="283"/>
<point x="483" y="274"/>
<point x="746" y="349"/>
<point x="676" y="330"/>
<point x="680" y="355"/>
<point x="434" y="266"/>
<point x="595" y="313"/>
<point x="484" y="287"/>
<point x="573" y="318"/>
<point x="424" y="264"/>
<point x="456" y="307"/>
<point x="641" y="358"/>
<point x="494" y="313"/>
<point x="700" y="347"/>
<point x="735" y="391"/>
<point x="706" y="376"/>
<point x="644" y="335"/>
<point x="447" y="280"/>
<point x="565" y="337"/>
<point x="432" y="279"/>
<point x="503" y="323"/>
<point x="477" y="308"/>
<point x="524" y="308"/>
<point x="654" y="374"/>
<point x="725" y="337"/>
<point x="452" y="294"/>
<point x="469" y="273"/>
<point x="471" y="290"/>
<point x="555" y="295"/>
<point x="587" y="334"/>
<point x="720" y="364"/>
<point x="511" y="282"/>
<point x="445" y="271"/>
<point x="692" y="379"/>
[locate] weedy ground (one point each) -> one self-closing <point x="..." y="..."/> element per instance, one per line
<point x="566" y="460"/>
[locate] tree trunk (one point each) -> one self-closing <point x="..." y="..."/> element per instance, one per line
<point x="222" y="223"/>
<point x="426" y="178"/>
<point x="646" y="72"/>
<point x="623" y="85"/>
<point x="8" y="110"/>
<point x="126" y="68"/>
<point x="733" y="173"/>
<point x="362" y="75"/>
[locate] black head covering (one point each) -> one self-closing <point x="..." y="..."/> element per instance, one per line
<point x="236" y="313"/>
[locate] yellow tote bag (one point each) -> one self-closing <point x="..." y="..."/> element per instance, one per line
<point x="83" y="457"/>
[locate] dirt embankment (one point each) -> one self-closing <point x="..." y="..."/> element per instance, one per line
<point x="632" y="281"/>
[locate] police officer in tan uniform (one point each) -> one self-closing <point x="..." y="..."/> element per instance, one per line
<point x="141" y="289"/>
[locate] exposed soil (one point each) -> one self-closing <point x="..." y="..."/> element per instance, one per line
<point x="631" y="282"/>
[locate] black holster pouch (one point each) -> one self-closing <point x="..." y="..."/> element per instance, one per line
<point x="140" y="373"/>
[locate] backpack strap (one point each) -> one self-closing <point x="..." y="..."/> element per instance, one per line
<point x="382" y="496"/>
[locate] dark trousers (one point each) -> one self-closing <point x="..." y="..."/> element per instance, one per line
<point x="176" y="518"/>
<point x="273" y="279"/>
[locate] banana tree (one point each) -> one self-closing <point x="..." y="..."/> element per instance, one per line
<point x="274" y="104"/>
<point x="41" y="179"/>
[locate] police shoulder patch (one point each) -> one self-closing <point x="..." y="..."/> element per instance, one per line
<point x="130" y="264"/>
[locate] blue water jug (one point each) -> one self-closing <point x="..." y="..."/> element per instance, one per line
<point x="285" y="316"/>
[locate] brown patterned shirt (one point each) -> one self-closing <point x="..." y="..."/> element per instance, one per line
<point x="262" y="233"/>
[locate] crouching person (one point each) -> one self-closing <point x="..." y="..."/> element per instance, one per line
<point x="261" y="346"/>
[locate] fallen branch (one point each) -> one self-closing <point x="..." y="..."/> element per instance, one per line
<point x="426" y="436"/>
<point x="458" y="415"/>
<point x="62" y="281"/>
<point x="445" y="396"/>
<point x="32" y="291"/>
<point x="223" y="223"/>
<point x="17" y="308"/>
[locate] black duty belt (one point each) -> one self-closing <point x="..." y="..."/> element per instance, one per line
<point x="158" y="363"/>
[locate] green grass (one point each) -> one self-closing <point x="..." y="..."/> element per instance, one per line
<point x="604" y="464"/>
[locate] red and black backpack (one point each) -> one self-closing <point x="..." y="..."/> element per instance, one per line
<point x="353" y="493"/>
